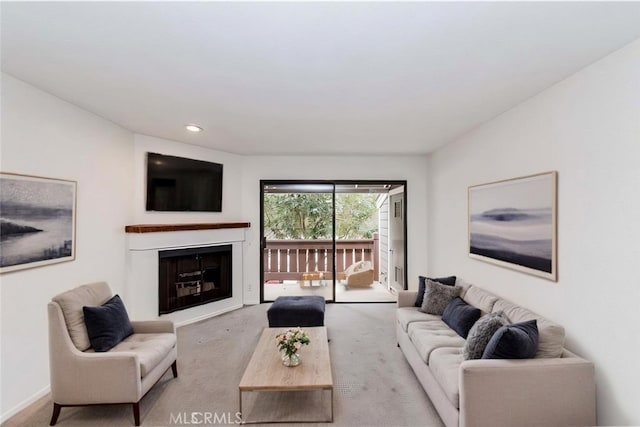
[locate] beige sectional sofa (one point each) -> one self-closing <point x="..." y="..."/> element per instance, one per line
<point x="556" y="388"/>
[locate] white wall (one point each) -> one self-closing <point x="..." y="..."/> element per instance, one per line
<point x="231" y="182"/>
<point x="45" y="136"/>
<point x="588" y="129"/>
<point x="410" y="168"/>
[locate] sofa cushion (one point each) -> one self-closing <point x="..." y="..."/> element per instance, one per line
<point x="407" y="315"/>
<point x="461" y="283"/>
<point x="460" y="316"/>
<point x="480" y="298"/>
<point x="107" y="324"/>
<point x="550" y="335"/>
<point x="437" y="296"/>
<point x="71" y="303"/>
<point x="445" y="367"/>
<point x="449" y="281"/>
<point x="150" y="348"/>
<point x="515" y="341"/>
<point x="428" y="336"/>
<point x="481" y="333"/>
<point x="434" y="325"/>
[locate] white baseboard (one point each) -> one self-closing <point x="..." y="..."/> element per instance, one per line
<point x="24" y="404"/>
<point x="208" y="315"/>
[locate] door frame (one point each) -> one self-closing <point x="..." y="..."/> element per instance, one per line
<point x="333" y="182"/>
<point x="404" y="237"/>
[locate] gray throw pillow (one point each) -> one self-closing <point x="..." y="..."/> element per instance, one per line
<point x="437" y="296"/>
<point x="480" y="334"/>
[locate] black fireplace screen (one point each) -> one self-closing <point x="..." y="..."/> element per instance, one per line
<point x="193" y="276"/>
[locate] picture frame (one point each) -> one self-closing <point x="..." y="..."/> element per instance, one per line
<point x="37" y="221"/>
<point x="513" y="223"/>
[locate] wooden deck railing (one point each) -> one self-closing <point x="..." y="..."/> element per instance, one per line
<point x="288" y="259"/>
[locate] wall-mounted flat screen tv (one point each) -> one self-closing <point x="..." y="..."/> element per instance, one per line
<point x="176" y="184"/>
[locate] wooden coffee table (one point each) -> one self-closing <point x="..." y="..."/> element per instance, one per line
<point x="266" y="372"/>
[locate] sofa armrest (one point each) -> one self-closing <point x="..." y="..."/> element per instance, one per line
<point x="407" y="298"/>
<point x="87" y="377"/>
<point x="558" y="391"/>
<point x="152" y="326"/>
<point x="94" y="365"/>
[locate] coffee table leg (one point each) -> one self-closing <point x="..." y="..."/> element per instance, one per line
<point x="331" y="404"/>
<point x="240" y="398"/>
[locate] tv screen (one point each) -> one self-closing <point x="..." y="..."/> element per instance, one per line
<point x="176" y="184"/>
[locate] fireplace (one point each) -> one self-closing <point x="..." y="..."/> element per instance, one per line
<point x="193" y="276"/>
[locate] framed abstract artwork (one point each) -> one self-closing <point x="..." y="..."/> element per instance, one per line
<point x="513" y="223"/>
<point x="37" y="221"/>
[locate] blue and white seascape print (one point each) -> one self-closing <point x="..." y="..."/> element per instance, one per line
<point x="514" y="222"/>
<point x="37" y="221"/>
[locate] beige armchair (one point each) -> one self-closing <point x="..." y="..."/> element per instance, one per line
<point x="359" y="274"/>
<point x="80" y="376"/>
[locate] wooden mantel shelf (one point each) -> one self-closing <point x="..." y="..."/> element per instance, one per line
<point x="159" y="228"/>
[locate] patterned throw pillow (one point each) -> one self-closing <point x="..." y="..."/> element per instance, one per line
<point x="437" y="296"/>
<point x="480" y="334"/>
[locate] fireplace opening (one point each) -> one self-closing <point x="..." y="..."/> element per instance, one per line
<point x="193" y="276"/>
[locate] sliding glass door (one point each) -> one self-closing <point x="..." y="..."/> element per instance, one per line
<point x="331" y="238"/>
<point x="297" y="242"/>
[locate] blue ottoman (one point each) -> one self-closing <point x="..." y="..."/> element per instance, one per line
<point x="303" y="311"/>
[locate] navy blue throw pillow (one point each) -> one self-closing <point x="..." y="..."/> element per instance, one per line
<point x="107" y="324"/>
<point x="449" y="281"/>
<point x="515" y="341"/>
<point x="460" y="316"/>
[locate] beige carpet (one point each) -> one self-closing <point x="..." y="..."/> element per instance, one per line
<point x="373" y="384"/>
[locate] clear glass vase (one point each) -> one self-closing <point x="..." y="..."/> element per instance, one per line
<point x="291" y="360"/>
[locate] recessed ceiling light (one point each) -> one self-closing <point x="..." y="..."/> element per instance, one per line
<point x="193" y="128"/>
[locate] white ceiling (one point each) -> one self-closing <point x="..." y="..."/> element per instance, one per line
<point x="307" y="78"/>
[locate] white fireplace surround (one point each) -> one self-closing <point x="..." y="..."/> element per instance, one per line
<point x="141" y="291"/>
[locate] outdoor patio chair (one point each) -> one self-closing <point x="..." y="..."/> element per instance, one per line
<point x="359" y="274"/>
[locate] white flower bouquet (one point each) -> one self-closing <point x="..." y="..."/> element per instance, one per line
<point x="292" y="340"/>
